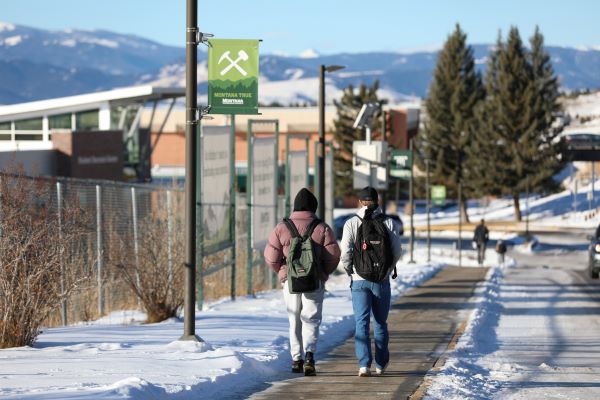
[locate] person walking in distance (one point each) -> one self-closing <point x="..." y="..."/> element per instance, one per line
<point x="370" y="250"/>
<point x="303" y="251"/>
<point x="480" y="237"/>
<point x="501" y="250"/>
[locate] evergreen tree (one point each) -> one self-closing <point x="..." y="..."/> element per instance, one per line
<point x="546" y="151"/>
<point x="515" y="132"/>
<point x="344" y="134"/>
<point x="454" y="93"/>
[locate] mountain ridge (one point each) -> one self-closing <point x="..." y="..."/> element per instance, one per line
<point x="39" y="64"/>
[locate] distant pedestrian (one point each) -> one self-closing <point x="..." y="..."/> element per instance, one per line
<point x="370" y="249"/>
<point x="501" y="250"/>
<point x="480" y="237"/>
<point x="303" y="251"/>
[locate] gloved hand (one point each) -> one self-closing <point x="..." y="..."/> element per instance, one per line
<point x="349" y="270"/>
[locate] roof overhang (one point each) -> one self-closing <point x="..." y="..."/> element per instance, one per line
<point x="120" y="96"/>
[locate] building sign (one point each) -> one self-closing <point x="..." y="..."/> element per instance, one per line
<point x="438" y="195"/>
<point x="89" y="154"/>
<point x="233" y="76"/>
<point x="264" y="190"/>
<point x="401" y="165"/>
<point x="215" y="175"/>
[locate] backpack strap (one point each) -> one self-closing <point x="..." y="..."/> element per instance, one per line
<point x="309" y="231"/>
<point x="294" y="231"/>
<point x="291" y="227"/>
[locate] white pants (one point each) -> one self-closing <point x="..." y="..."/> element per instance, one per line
<point x="304" y="313"/>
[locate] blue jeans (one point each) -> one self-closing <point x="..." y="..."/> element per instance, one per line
<point x="370" y="297"/>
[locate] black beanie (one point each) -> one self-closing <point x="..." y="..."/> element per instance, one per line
<point x="368" y="194"/>
<point x="305" y="201"/>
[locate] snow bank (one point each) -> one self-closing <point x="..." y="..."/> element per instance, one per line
<point x="461" y="377"/>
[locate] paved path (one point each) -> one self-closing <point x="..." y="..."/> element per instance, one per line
<point x="422" y="324"/>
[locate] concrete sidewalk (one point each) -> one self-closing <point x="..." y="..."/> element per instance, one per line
<point x="422" y="324"/>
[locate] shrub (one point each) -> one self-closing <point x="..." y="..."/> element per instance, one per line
<point x="33" y="260"/>
<point x="155" y="275"/>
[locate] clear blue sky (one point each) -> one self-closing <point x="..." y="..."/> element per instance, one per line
<point x="329" y="26"/>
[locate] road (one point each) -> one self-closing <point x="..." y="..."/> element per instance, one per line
<point x="540" y="332"/>
<point x="549" y="327"/>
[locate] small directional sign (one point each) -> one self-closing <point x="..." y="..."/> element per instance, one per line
<point x="401" y="165"/>
<point x="438" y="195"/>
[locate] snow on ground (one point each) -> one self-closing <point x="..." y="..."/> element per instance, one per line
<point x="569" y="208"/>
<point x="118" y="357"/>
<point x="533" y="335"/>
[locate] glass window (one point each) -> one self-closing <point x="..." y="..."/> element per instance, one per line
<point x="62" y="121"/>
<point x="124" y="115"/>
<point x="33" y="124"/>
<point x="87" y="120"/>
<point x="27" y="136"/>
<point x="4" y="130"/>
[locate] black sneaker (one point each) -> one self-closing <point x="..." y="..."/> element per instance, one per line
<point x="309" y="365"/>
<point x="298" y="366"/>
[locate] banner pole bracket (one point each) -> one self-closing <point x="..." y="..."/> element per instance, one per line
<point x="195" y="37"/>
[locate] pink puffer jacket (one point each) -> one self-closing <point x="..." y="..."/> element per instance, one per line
<point x="326" y="249"/>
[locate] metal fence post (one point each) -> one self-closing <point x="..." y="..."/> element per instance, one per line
<point x="232" y="211"/>
<point x="169" y="243"/>
<point x="412" y="204"/>
<point x="63" y="303"/>
<point x="428" y="202"/>
<point x="249" y="209"/>
<point x="136" y="250"/>
<point x="99" y="250"/>
<point x="460" y="217"/>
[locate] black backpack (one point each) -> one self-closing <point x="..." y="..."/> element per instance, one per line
<point x="372" y="257"/>
<point x="302" y="261"/>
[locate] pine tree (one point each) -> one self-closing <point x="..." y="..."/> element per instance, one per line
<point x="515" y="134"/>
<point x="546" y="160"/>
<point x="454" y="93"/>
<point x="344" y="134"/>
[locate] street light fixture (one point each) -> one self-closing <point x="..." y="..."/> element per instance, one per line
<point x="321" y="147"/>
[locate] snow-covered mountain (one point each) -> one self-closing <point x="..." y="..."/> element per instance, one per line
<point x="38" y="64"/>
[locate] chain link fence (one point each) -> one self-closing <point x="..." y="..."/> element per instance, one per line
<point x="112" y="215"/>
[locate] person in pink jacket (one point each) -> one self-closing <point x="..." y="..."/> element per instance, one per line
<point x="304" y="309"/>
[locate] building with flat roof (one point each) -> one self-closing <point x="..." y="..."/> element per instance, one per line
<point x="152" y="123"/>
<point x="28" y="127"/>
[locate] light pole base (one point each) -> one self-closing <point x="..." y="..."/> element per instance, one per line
<point x="191" y="338"/>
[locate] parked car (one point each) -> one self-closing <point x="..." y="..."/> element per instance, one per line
<point x="338" y="224"/>
<point x="594" y="255"/>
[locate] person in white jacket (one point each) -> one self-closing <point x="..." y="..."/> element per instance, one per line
<point x="367" y="296"/>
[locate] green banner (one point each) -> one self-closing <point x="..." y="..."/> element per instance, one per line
<point x="233" y="76"/>
<point x="438" y="195"/>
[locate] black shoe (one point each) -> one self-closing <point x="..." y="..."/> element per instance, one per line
<point x="297" y="366"/>
<point x="309" y="365"/>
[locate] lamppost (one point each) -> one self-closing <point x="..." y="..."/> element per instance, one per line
<point x="321" y="151"/>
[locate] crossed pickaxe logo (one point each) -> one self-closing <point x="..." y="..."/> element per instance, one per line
<point x="242" y="56"/>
